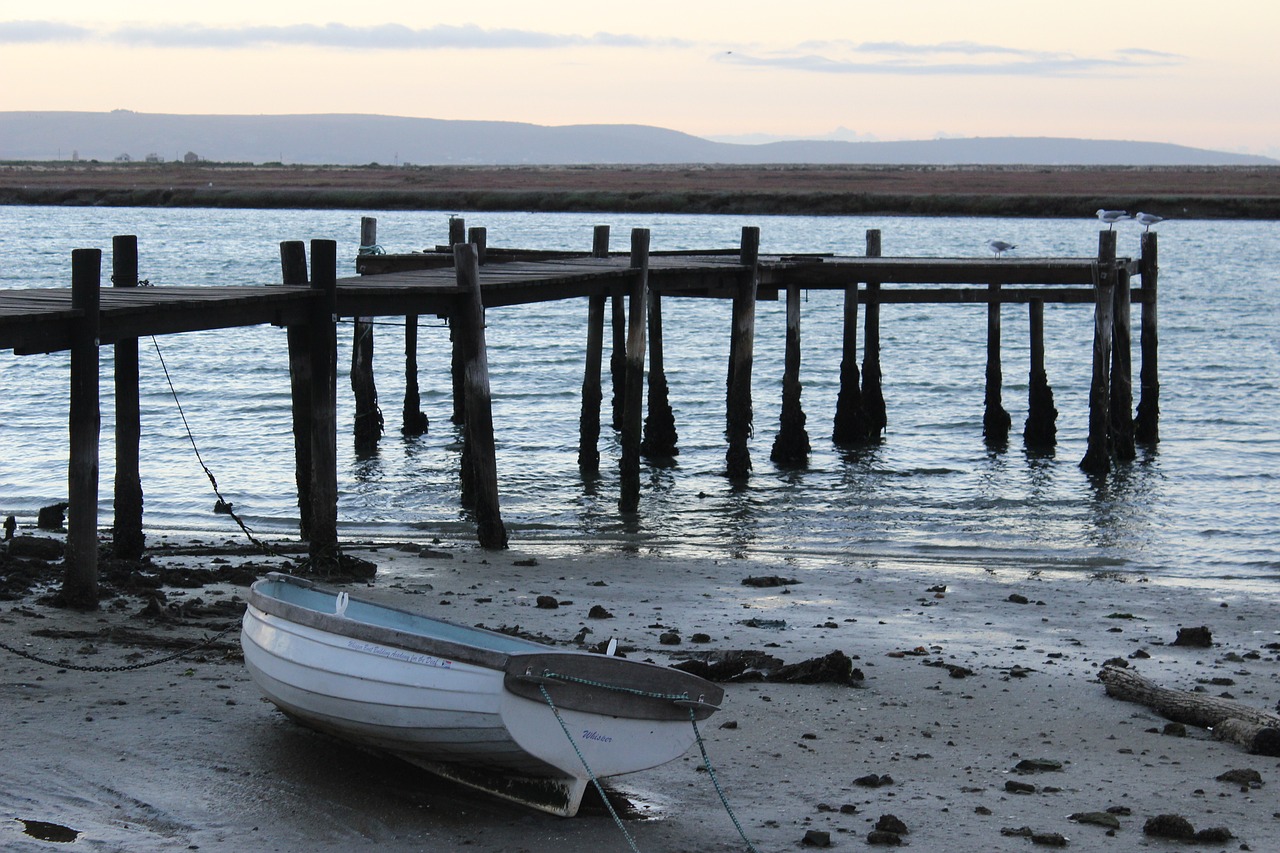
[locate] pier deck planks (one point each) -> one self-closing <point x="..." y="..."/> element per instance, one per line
<point x="39" y="320"/>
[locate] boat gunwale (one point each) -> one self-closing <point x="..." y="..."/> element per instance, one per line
<point x="380" y="634"/>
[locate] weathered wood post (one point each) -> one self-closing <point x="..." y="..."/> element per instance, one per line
<point x="633" y="409"/>
<point x="323" y="350"/>
<point x="995" y="420"/>
<point x="479" y="237"/>
<point x="1122" y="446"/>
<point x="127" y="540"/>
<point x="660" y="424"/>
<point x="1097" y="458"/>
<point x="850" y="424"/>
<point x="368" y="418"/>
<point x="80" y="584"/>
<point x="457" y="236"/>
<point x="1147" y="426"/>
<point x="791" y="444"/>
<point x="1040" y="432"/>
<point x="872" y="391"/>
<point x="741" y="355"/>
<point x="618" y="357"/>
<point x="413" y="420"/>
<point x="592" y="394"/>
<point x="480" y="453"/>
<point x="293" y="268"/>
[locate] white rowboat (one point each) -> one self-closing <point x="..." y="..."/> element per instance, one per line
<point x="519" y="719"/>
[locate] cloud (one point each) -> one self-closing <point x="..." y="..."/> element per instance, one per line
<point x="950" y="58"/>
<point x="35" y="32"/>
<point x="342" y="36"/>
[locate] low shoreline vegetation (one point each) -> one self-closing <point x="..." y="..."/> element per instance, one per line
<point x="1024" y="191"/>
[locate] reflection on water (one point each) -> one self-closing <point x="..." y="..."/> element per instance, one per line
<point x="1204" y="505"/>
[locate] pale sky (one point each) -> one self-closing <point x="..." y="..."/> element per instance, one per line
<point x="1194" y="73"/>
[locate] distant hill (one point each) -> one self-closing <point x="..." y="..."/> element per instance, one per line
<point x="341" y="139"/>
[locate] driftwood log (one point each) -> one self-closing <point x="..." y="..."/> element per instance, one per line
<point x="1256" y="730"/>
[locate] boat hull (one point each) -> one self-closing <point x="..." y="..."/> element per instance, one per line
<point x="519" y="719"/>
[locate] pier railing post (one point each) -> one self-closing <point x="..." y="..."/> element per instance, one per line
<point x="1122" y="445"/>
<point x="633" y="403"/>
<point x="323" y="353"/>
<point x="80" y="584"/>
<point x="1147" y="425"/>
<point x="1097" y="458"/>
<point x="872" y="390"/>
<point x="791" y="444"/>
<point x="995" y="420"/>
<point x="480" y="453"/>
<point x="457" y="236"/>
<point x="592" y="393"/>
<point x="368" y="418"/>
<point x="618" y="356"/>
<point x="479" y="237"/>
<point x="293" y="268"/>
<point x="741" y="355"/>
<point x="127" y="540"/>
<point x="1040" y="431"/>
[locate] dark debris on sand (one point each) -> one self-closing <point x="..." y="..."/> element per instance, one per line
<point x="746" y="665"/>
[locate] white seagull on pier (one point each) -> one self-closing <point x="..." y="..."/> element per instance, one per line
<point x="1111" y="217"/>
<point x="1000" y="246"/>
<point x="1146" y="220"/>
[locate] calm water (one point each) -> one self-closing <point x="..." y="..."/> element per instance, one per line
<point x="1202" y="506"/>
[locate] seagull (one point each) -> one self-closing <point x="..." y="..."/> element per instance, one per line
<point x="1146" y="220"/>
<point x="1000" y="246"/>
<point x="1111" y="217"/>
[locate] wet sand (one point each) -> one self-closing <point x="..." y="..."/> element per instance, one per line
<point x="186" y="755"/>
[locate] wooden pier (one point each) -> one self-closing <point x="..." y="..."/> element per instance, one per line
<point x="458" y="281"/>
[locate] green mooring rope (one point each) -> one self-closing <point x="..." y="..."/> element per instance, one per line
<point x="693" y="720"/>
<point x="591" y="773"/>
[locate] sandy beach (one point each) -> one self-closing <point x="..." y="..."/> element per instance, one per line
<point x="967" y="673"/>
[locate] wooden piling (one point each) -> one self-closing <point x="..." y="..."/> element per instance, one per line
<point x="323" y="351"/>
<point x="479" y="237"/>
<point x="638" y="300"/>
<point x="1122" y="446"/>
<point x="791" y="444"/>
<point x="368" y="424"/>
<point x="592" y="394"/>
<point x="995" y="420"/>
<point x="413" y="420"/>
<point x="293" y="267"/>
<point x="618" y="357"/>
<point x="850" y="423"/>
<point x="481" y="454"/>
<point x="1097" y="458"/>
<point x="1147" y="423"/>
<point x="741" y="354"/>
<point x="457" y="364"/>
<point x="127" y="539"/>
<point x="872" y="391"/>
<point x="80" y="583"/>
<point x="1040" y="432"/>
<point x="660" y="423"/>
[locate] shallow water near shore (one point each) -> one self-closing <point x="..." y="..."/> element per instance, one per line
<point x="1201" y="507"/>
